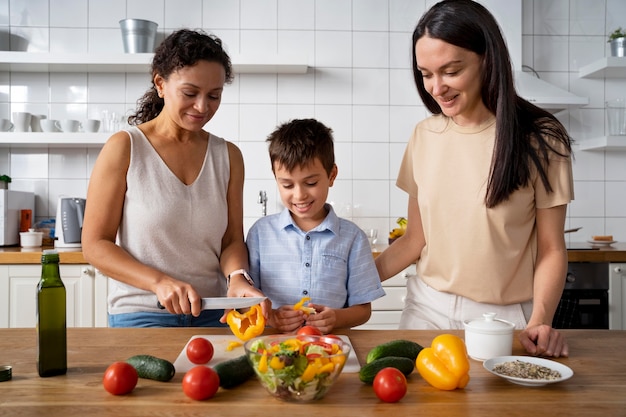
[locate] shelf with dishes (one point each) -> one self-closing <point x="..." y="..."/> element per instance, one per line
<point x="607" y="67"/>
<point x="603" y="143"/>
<point x="135" y="63"/>
<point x="52" y="139"/>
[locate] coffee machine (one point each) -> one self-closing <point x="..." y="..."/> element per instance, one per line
<point x="69" y="222"/>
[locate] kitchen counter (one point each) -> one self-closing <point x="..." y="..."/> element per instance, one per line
<point x="597" y="387"/>
<point x="577" y="252"/>
<point x="18" y="255"/>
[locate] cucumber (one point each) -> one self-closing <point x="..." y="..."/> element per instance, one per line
<point x="234" y="372"/>
<point x="151" y="367"/>
<point x="401" y="347"/>
<point x="368" y="372"/>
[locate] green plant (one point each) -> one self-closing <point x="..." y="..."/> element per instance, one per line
<point x="5" y="178"/>
<point x="617" y="33"/>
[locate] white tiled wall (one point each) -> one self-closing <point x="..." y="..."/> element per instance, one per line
<point x="360" y="84"/>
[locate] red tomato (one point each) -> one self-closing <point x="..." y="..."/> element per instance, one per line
<point x="199" y="351"/>
<point x="120" y="378"/>
<point x="201" y="383"/>
<point x="309" y="331"/>
<point x="390" y="385"/>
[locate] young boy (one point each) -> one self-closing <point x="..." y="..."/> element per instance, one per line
<point x="306" y="250"/>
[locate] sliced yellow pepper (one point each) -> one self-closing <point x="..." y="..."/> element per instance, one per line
<point x="300" y="306"/>
<point x="246" y="325"/>
<point x="276" y="363"/>
<point x="233" y="345"/>
<point x="309" y="373"/>
<point x="328" y="368"/>
<point x="263" y="363"/>
<point x="444" y="364"/>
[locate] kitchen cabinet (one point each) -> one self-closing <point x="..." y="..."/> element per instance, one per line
<point x="114" y="63"/>
<point x="386" y="311"/>
<point x="617" y="296"/>
<point x="85" y="288"/>
<point x="607" y="67"/>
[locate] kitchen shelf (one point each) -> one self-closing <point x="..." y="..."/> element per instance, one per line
<point x="52" y="140"/>
<point x="134" y="63"/>
<point x="603" y="143"/>
<point x="607" y="67"/>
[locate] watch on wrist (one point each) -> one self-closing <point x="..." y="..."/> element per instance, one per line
<point x="239" y="272"/>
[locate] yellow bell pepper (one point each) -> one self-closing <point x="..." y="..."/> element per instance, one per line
<point x="444" y="364"/>
<point x="232" y="345"/>
<point x="246" y="325"/>
<point x="300" y="306"/>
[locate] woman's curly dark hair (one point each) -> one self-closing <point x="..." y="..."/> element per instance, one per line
<point x="181" y="49"/>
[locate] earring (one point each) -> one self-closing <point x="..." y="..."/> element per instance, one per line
<point x="160" y="93"/>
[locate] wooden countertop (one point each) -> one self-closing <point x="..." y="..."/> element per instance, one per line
<point x="578" y="252"/>
<point x="597" y="387"/>
<point x="18" y="255"/>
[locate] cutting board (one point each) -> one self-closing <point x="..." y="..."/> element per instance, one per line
<point x="220" y="354"/>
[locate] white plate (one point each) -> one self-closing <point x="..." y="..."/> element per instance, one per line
<point x="220" y="343"/>
<point x="602" y="242"/>
<point x="565" y="371"/>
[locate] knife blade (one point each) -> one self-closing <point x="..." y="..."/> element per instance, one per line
<point x="220" y="303"/>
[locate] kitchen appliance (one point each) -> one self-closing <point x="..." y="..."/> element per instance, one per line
<point x="11" y="205"/>
<point x="585" y="300"/>
<point x="539" y="92"/>
<point x="69" y="222"/>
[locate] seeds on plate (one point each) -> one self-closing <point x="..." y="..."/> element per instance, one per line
<point x="526" y="370"/>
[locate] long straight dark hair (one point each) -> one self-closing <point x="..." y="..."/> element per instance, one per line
<point x="522" y="129"/>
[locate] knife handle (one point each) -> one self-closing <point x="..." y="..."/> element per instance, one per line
<point x="160" y="306"/>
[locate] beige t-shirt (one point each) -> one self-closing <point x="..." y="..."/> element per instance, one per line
<point x="487" y="255"/>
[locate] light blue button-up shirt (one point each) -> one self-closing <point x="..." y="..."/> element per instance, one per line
<point x="332" y="264"/>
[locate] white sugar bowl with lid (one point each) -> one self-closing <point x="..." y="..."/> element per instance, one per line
<point x="31" y="239"/>
<point x="488" y="337"/>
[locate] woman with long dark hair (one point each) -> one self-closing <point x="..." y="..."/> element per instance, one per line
<point x="489" y="177"/>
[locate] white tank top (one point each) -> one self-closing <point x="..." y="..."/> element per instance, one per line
<point x="173" y="227"/>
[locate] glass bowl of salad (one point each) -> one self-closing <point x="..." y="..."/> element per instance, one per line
<point x="297" y="368"/>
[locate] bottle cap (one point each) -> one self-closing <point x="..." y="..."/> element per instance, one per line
<point x="6" y="373"/>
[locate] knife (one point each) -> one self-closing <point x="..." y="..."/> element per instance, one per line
<point x="219" y="303"/>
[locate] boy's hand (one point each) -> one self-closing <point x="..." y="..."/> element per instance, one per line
<point x="324" y="318"/>
<point x="286" y="319"/>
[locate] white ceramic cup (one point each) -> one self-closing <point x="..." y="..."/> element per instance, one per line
<point x="50" y="125"/>
<point x="21" y="121"/>
<point x="5" y="125"/>
<point x="92" y="125"/>
<point x="35" y="125"/>
<point x="70" y="125"/>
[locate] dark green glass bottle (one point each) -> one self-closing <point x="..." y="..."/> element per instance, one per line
<point x="51" y="320"/>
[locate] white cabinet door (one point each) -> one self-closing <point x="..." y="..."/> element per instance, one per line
<point x="617" y="296"/>
<point x="20" y="281"/>
<point x="100" y="303"/>
<point x="386" y="311"/>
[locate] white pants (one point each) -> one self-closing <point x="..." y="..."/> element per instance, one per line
<point x="426" y="308"/>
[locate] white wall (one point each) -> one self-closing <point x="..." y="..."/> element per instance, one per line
<point x="360" y="85"/>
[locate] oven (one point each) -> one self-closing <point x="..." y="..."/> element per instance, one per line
<point x="585" y="300"/>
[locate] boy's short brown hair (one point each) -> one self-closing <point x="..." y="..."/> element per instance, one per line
<point x="298" y="142"/>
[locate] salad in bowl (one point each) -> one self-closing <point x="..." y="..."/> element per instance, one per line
<point x="297" y="368"/>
